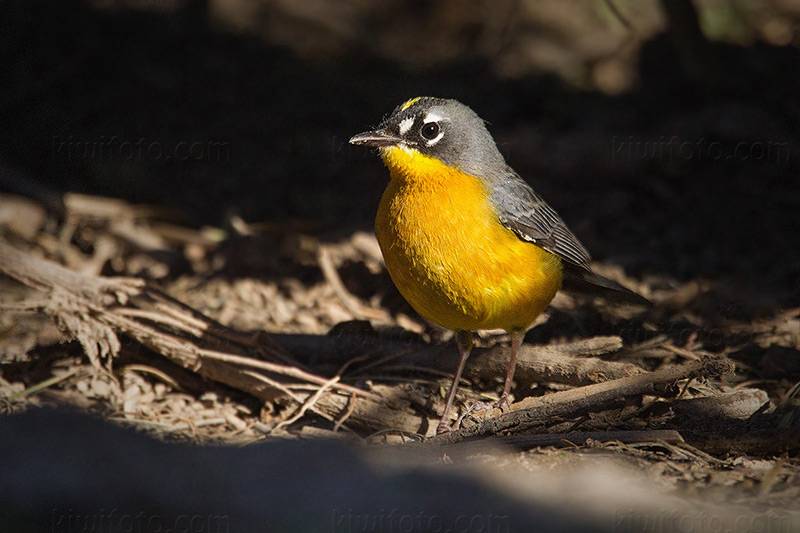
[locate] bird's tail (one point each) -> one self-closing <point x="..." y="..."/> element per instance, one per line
<point x="587" y="282"/>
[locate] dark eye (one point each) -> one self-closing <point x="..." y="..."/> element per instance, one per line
<point x="430" y="130"/>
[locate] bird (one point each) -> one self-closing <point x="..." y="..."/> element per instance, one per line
<point x="465" y="239"/>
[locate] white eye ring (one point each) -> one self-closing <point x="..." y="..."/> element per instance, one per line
<point x="432" y="132"/>
<point x="437" y="120"/>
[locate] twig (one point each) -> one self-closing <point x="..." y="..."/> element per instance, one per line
<point x="730" y="437"/>
<point x="155" y="372"/>
<point x="531" y="411"/>
<point x="575" y="439"/>
<point x="349" y="411"/>
<point x="95" y="309"/>
<point x="791" y="393"/>
<point x="290" y="394"/>
<point x="318" y="394"/>
<point x="416" y="437"/>
<point x="393" y="410"/>
<point x="46" y="275"/>
<point x="355" y="307"/>
<point x="280" y="369"/>
<point x="160" y="318"/>
<point x="28" y="306"/>
<point x="274" y="384"/>
<point x="700" y="453"/>
<point x="44" y="384"/>
<point x="555" y="363"/>
<point x="173" y="306"/>
<point x="683" y="352"/>
<point x="684" y="388"/>
<point x="649" y="344"/>
<point x="564" y="363"/>
<point x="173" y="427"/>
<point x="738" y="404"/>
<point x="309" y="403"/>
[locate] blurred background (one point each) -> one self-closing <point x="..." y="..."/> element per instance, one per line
<point x="665" y="133"/>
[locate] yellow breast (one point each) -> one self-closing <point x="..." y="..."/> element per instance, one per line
<point x="450" y="256"/>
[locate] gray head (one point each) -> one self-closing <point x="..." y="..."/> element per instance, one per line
<point x="444" y="129"/>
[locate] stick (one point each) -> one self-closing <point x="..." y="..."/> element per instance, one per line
<point x="95" y="310"/>
<point x="565" y="363"/>
<point x="740" y="404"/>
<point x="577" y="438"/>
<point x="350" y="302"/>
<point x="533" y="411"/>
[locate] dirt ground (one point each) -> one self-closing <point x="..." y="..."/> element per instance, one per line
<point x="200" y="148"/>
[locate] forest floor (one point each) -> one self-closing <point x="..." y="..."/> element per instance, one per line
<point x="241" y="297"/>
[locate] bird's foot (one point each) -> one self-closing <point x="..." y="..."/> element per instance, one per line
<point x="479" y="406"/>
<point x="443" y="427"/>
<point x="471" y="408"/>
<point x="502" y="402"/>
<point x="444" y="424"/>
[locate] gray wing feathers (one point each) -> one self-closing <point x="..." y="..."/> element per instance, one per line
<point x="525" y="213"/>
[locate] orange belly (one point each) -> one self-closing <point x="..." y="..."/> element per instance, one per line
<point x="450" y="256"/>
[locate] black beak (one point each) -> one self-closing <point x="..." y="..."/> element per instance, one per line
<point x="377" y="138"/>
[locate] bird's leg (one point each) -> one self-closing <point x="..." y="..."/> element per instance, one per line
<point x="516" y="342"/>
<point x="464" y="343"/>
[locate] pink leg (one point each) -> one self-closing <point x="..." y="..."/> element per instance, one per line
<point x="464" y="343"/>
<point x="516" y="342"/>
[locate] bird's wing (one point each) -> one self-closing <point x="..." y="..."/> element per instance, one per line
<point x="525" y="213"/>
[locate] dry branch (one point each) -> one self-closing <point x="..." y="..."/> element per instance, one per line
<point x="740" y="404"/>
<point x="737" y="437"/>
<point x="393" y="411"/>
<point x="572" y="363"/>
<point x="46" y="275"/>
<point x="533" y="411"/>
<point x="352" y="304"/>
<point x="94" y="310"/>
<point x="577" y="438"/>
<point x="567" y="363"/>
